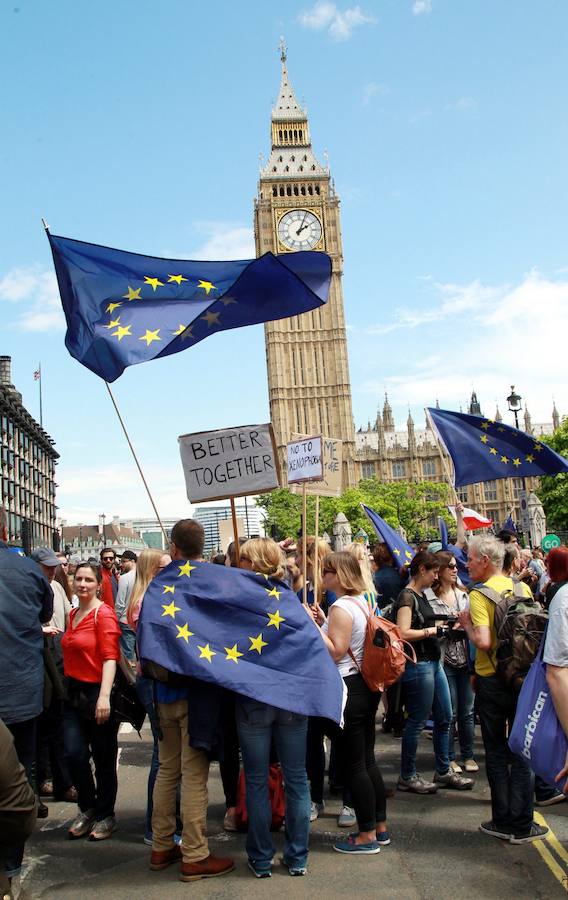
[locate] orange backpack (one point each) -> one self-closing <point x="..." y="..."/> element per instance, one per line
<point x="384" y="657"/>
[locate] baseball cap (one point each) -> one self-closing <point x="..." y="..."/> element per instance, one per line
<point x="45" y="556"/>
<point x="435" y="547"/>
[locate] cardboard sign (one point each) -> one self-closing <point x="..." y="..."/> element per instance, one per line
<point x="226" y="535"/>
<point x="231" y="462"/>
<point x="304" y="460"/>
<point x="332" y="483"/>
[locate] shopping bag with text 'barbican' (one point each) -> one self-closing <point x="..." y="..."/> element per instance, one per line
<point x="537" y="735"/>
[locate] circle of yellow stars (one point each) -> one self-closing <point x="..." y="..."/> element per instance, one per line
<point x="232" y="654"/>
<point x="515" y="460"/>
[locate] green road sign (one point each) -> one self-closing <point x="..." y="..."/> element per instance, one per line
<point x="549" y="541"/>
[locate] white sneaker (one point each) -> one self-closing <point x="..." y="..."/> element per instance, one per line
<point x="347" y="818"/>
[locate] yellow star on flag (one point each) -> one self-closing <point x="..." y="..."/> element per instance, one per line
<point x="257" y="644"/>
<point x="180" y="330"/>
<point x="396" y="552"/>
<point x="227" y="300"/>
<point x="170" y="609"/>
<point x="275" y="619"/>
<point x="504" y="459"/>
<point x="206" y="286"/>
<point x="408" y="554"/>
<point x="501" y="429"/>
<point x="233" y="653"/>
<point x="169" y="589"/>
<point x="206" y="652"/>
<point x="538" y="448"/>
<point x="485" y="425"/>
<point x="113" y="323"/>
<point x="177" y="278"/>
<point x="211" y="318"/>
<point x="184" y="632"/>
<point x="263" y="575"/>
<point x="187" y="334"/>
<point x="517" y="462"/>
<point x="132" y="294"/>
<point x="151" y="336"/>
<point x="186" y="569"/>
<point x="153" y="282"/>
<point x="493" y="451"/>
<point x="483" y="438"/>
<point x="122" y="332"/>
<point x="529" y="458"/>
<point x="273" y="593"/>
<point x="112" y="306"/>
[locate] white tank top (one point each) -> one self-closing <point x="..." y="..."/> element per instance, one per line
<point x="356" y="608"/>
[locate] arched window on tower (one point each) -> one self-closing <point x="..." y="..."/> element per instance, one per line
<point x="279" y="159"/>
<point x="310" y="191"/>
<point x="280" y="135"/>
<point x="286" y="168"/>
<point x="301" y="134"/>
<point x="295" y="190"/>
<point x="317" y="189"/>
<point x="303" y="190"/>
<point x="288" y="191"/>
<point x="295" y="134"/>
<point x="274" y="191"/>
<point x="292" y="159"/>
<point x="281" y="191"/>
<point x="300" y="168"/>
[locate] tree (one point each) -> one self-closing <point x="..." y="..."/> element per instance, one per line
<point x="553" y="490"/>
<point x="403" y="504"/>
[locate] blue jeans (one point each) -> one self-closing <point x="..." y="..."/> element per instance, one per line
<point x="509" y="776"/>
<point x="462" y="696"/>
<point x="145" y="688"/>
<point x="257" y="723"/>
<point x="426" y="689"/>
<point x="128" y="642"/>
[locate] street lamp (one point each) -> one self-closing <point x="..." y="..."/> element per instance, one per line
<point x="515" y="405"/>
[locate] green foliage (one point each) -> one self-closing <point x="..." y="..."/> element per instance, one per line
<point x="553" y="490"/>
<point x="414" y="507"/>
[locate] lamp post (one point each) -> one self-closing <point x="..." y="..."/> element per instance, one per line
<point x="515" y="405"/>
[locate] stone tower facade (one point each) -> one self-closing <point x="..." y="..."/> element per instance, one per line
<point x="297" y="209"/>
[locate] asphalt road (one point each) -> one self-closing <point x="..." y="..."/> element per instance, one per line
<point x="436" y="853"/>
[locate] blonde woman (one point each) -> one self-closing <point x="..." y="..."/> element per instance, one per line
<point x="344" y="634"/>
<point x="150" y="562"/>
<point x="258" y="723"/>
<point x="317" y="550"/>
<point x="361" y="554"/>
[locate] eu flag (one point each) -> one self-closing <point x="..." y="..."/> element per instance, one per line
<point x="484" y="450"/>
<point x="241" y="630"/>
<point x="401" y="551"/>
<point x="125" y="308"/>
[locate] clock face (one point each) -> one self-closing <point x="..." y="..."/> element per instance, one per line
<point x="299" y="229"/>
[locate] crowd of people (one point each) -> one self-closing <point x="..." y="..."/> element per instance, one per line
<point x="66" y="629"/>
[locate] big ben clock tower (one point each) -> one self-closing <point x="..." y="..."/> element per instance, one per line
<point x="298" y="209"/>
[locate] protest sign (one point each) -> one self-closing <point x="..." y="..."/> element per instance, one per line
<point x="304" y="460"/>
<point x="226" y="534"/>
<point x="331" y="484"/>
<point x="230" y="462"/>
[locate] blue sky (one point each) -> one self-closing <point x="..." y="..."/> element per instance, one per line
<point x="139" y="125"/>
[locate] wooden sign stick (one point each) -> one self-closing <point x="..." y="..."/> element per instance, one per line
<point x="235" y="533"/>
<point x="304" y="546"/>
<point x="316" y="552"/>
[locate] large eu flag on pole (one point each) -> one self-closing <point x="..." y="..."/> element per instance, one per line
<point x="125" y="308"/>
<point x="484" y="450"/>
<point x="241" y="630"/>
<point x="400" y="549"/>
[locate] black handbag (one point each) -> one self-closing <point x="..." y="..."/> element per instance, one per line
<point x="125" y="704"/>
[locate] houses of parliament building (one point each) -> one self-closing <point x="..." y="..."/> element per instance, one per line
<point x="297" y="208"/>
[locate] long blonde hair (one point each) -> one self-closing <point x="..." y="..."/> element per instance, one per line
<point x="265" y="556"/>
<point x="347" y="570"/>
<point x="317" y="550"/>
<point x="147" y="568"/>
<point x="359" y="551"/>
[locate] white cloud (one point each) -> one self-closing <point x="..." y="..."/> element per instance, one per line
<point x="371" y="89"/>
<point x="421" y="6"/>
<point x="502" y="335"/>
<point x="224" y="240"/>
<point x="338" y="23"/>
<point x="36" y="289"/>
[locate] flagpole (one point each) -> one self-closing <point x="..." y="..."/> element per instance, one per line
<point x="316" y="551"/>
<point x="445" y="467"/>
<point x="235" y="533"/>
<point x="304" y="546"/>
<point x="40" y="398"/>
<point x="137" y="463"/>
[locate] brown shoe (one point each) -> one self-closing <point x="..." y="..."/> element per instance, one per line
<point x="161" y="859"/>
<point x="209" y="867"/>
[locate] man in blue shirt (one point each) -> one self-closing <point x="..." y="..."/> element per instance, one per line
<point x="26" y="603"/>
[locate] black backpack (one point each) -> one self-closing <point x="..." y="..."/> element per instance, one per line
<point x="519" y="623"/>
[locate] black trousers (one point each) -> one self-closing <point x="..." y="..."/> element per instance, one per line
<point x="363" y="774"/>
<point x="51" y="762"/>
<point x="84" y="738"/>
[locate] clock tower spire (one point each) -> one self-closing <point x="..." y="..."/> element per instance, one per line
<point x="297" y="209"/>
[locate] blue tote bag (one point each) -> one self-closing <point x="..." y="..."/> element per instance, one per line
<point x="537" y="735"/>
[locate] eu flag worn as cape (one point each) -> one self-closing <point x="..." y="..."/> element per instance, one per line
<point x="125" y="308"/>
<point x="244" y="631"/>
<point x="401" y="551"/>
<point x="483" y="450"/>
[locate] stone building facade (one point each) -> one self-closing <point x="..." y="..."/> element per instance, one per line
<point x="27" y="469"/>
<point x="412" y="454"/>
<point x="297" y="208"/>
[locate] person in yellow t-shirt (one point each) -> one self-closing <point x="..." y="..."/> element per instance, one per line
<point x="510" y="777"/>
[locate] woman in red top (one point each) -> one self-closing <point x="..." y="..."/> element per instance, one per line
<point x="90" y="653"/>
